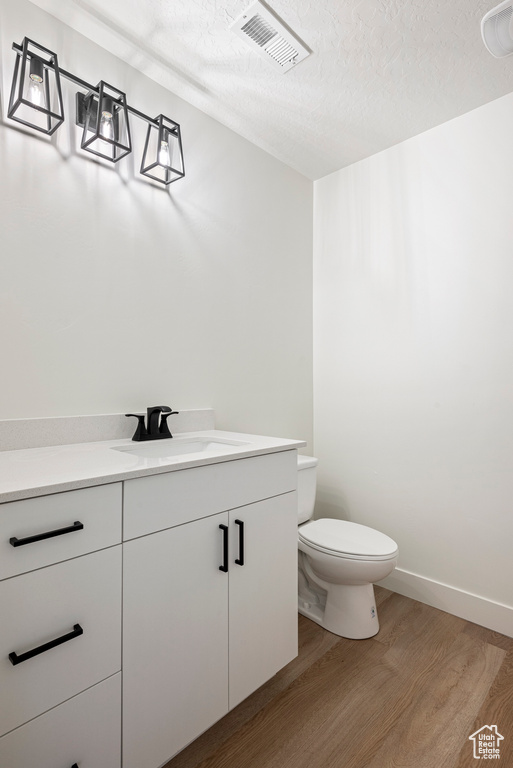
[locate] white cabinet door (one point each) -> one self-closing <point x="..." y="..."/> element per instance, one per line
<point x="175" y="642"/>
<point x="263" y="593"/>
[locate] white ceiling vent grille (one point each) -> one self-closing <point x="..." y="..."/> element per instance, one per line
<point x="497" y="30"/>
<point x="267" y="35"/>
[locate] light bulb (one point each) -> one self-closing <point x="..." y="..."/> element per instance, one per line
<point x="36" y="92"/>
<point x="164" y="158"/>
<point x="107" y="125"/>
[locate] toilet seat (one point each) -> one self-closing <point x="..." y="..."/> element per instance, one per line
<point x="341" y="538"/>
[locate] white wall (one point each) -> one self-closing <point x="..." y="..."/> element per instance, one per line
<point x="115" y="294"/>
<point x="413" y="357"/>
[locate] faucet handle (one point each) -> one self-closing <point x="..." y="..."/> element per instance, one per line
<point x="154" y="413"/>
<point x="164" y="428"/>
<point x="141" y="432"/>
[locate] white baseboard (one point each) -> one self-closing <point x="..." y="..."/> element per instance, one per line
<point x="479" y="610"/>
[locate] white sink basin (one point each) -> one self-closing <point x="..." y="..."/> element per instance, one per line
<point x="176" y="446"/>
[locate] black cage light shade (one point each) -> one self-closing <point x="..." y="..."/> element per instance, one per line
<point x="36" y="96"/>
<point x="162" y="158"/>
<point x="104" y="116"/>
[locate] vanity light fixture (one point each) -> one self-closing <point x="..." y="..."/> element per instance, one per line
<point x="102" y="111"/>
<point x="36" y="96"/>
<point x="163" y="156"/>
<point x="104" y="116"/>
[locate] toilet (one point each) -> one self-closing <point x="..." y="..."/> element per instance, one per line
<point x="338" y="564"/>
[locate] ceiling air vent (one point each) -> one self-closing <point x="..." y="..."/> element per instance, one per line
<point x="497" y="30"/>
<point x="267" y="35"/>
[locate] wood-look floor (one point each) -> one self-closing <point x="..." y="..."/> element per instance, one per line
<point x="408" y="698"/>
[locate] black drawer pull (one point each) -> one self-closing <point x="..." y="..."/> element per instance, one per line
<point x="240" y="559"/>
<point x="224" y="566"/>
<point x="15" y="659"/>
<point x="74" y="765"/>
<point x="77" y="526"/>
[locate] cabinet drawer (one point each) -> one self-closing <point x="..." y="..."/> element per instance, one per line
<point x="98" y="509"/>
<point x="163" y="501"/>
<point x="40" y="607"/>
<point x="85" y="731"/>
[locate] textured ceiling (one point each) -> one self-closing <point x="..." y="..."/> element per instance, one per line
<point x="381" y="70"/>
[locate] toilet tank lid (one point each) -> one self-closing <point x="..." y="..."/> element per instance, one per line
<point x="305" y="462"/>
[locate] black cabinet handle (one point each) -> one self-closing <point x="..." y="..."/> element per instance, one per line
<point x="17" y="659"/>
<point x="240" y="559"/>
<point x="77" y="526"/>
<point x="74" y="765"/>
<point x="224" y="566"/>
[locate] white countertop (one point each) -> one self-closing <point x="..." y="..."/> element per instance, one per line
<point x="39" y="471"/>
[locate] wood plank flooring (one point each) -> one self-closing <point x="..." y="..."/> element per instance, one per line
<point x="408" y="698"/>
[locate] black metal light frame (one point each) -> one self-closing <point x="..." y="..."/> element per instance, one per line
<point x="84" y="101"/>
<point x="89" y="107"/>
<point x="165" y="128"/>
<point x="36" y="64"/>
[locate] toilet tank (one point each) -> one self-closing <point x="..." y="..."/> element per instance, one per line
<point x="306" y="487"/>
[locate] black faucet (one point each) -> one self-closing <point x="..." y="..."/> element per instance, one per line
<point x="153" y="430"/>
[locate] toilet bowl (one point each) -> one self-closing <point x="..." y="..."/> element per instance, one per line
<point x="339" y="561"/>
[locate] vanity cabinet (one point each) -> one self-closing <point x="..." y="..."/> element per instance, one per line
<point x="198" y="638"/>
<point x="197" y="566"/>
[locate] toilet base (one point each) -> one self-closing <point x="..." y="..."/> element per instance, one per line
<point x="347" y="610"/>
